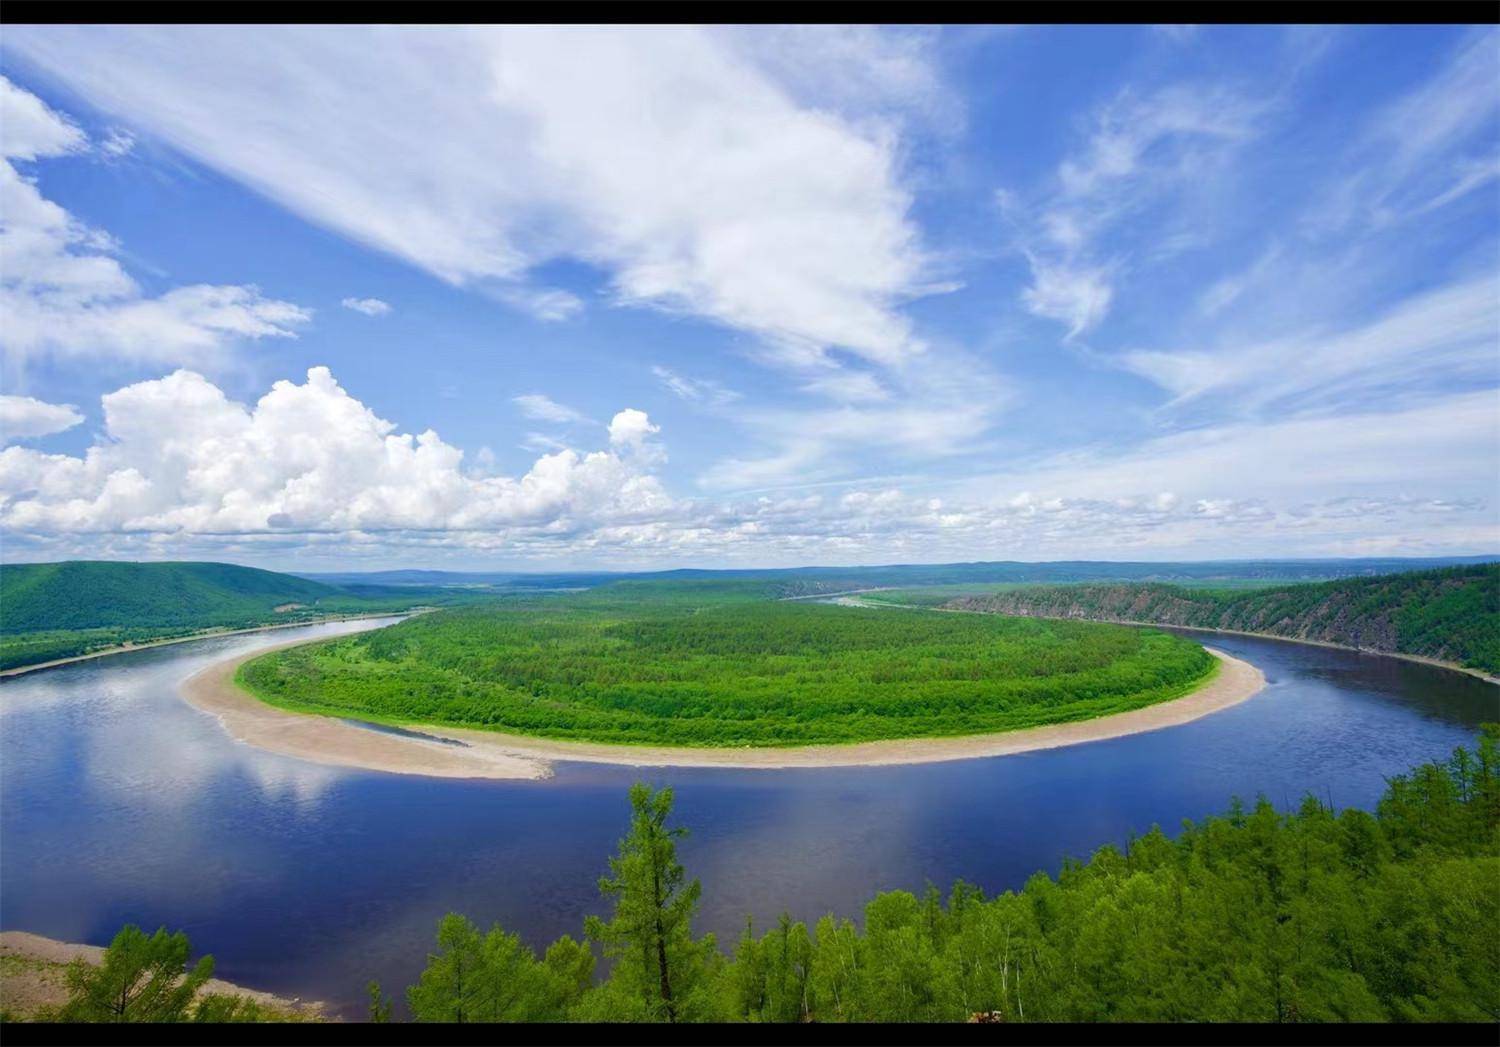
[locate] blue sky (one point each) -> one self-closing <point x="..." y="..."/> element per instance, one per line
<point x="314" y="298"/>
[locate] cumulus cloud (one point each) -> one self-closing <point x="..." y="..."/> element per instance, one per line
<point x="368" y="306"/>
<point x="62" y="293"/>
<point x="22" y="417"/>
<point x="181" y="470"/>
<point x="674" y="160"/>
<point x="631" y="429"/>
<point x="179" y="457"/>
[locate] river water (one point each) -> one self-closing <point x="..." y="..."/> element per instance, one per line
<point x="121" y="803"/>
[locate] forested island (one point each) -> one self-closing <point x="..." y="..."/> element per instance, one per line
<point x="722" y="665"/>
<point x="1256" y="915"/>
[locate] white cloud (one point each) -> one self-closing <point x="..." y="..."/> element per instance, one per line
<point x="1433" y="145"/>
<point x="671" y="159"/>
<point x="368" y="306"/>
<point x="30" y="130"/>
<point x="178" y="457"/>
<point x="631" y="429"/>
<point x="22" y="417"/>
<point x="182" y="471"/>
<point x="1077" y="297"/>
<point x="1140" y="147"/>
<point x="1447" y="335"/>
<point x="548" y="304"/>
<point x="118" y="143"/>
<point x="704" y="391"/>
<point x="62" y="293"/>
<point x="545" y="409"/>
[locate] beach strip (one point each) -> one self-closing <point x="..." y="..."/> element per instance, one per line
<point x="451" y="752"/>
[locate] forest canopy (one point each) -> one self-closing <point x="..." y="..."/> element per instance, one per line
<point x="716" y="665"/>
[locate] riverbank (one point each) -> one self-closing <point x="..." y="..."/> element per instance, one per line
<point x="207" y="634"/>
<point x="33" y="977"/>
<point x="451" y="752"/>
<point x="1419" y="659"/>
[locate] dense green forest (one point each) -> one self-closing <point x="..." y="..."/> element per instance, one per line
<point x="57" y="610"/>
<point x="717" y="664"/>
<point x="1252" y="916"/>
<point x="1451" y="614"/>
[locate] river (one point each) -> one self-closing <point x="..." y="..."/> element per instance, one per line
<point x="121" y="803"/>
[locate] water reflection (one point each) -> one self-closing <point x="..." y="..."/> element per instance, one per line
<point x="120" y="802"/>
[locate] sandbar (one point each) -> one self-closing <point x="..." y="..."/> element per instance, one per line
<point x="454" y="752"/>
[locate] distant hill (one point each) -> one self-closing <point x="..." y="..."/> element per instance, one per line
<point x="1452" y="614"/>
<point x="58" y="610"/>
<point x="809" y="580"/>
<point x="93" y="594"/>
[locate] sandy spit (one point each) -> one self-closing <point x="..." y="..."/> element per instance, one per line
<point x="488" y="754"/>
<point x="27" y="989"/>
<point x="329" y="740"/>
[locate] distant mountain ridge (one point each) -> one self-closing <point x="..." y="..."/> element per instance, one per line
<point x="814" y="579"/>
<point x="1451" y="614"/>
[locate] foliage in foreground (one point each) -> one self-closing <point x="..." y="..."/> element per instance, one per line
<point x="700" y="668"/>
<point x="1255" y="915"/>
<point x="146" y="979"/>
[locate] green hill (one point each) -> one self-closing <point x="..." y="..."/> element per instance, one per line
<point x="91" y="594"/>
<point x="57" y="610"/>
<point x="1452" y="614"/>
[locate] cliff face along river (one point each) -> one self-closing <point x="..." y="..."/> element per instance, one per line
<point x="121" y="803"/>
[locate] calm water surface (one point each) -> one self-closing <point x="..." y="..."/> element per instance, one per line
<point x="119" y="802"/>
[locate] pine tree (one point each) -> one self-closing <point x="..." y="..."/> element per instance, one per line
<point x="650" y="937"/>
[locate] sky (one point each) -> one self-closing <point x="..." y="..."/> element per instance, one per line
<point x="320" y="298"/>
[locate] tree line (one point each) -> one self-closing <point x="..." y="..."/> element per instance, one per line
<point x="711" y="671"/>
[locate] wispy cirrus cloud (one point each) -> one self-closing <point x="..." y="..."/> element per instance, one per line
<point x="1139" y="147"/>
<point x="673" y="160"/>
<point x="702" y="391"/>
<point x="543" y="408"/>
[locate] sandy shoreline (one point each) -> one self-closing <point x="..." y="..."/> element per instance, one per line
<point x="487" y="754"/>
<point x="26" y="990"/>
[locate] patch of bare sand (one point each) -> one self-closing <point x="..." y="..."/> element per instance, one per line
<point x="489" y="754"/>
<point x="35" y="976"/>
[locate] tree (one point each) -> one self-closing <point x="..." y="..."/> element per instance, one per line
<point x="493" y="977"/>
<point x="141" y="979"/>
<point x="650" y="938"/>
<point x="380" y="1004"/>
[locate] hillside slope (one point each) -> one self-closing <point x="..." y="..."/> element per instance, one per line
<point x="87" y="594"/>
<point x="1452" y="614"/>
<point x="61" y="610"/>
